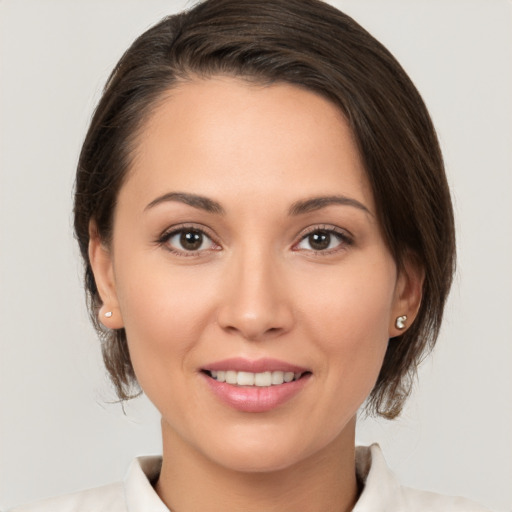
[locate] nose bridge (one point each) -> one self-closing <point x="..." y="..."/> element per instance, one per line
<point x="256" y="303"/>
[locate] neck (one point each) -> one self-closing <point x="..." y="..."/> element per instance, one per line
<point x="324" y="482"/>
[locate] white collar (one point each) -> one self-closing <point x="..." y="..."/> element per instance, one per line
<point x="138" y="485"/>
<point x="382" y="490"/>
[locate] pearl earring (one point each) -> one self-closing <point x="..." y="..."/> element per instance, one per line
<point x="400" y="322"/>
<point x="108" y="314"/>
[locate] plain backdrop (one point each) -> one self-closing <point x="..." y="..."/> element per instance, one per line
<point x="60" y="431"/>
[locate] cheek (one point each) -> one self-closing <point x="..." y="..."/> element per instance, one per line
<point x="164" y="313"/>
<point x="354" y="302"/>
<point x="349" y="319"/>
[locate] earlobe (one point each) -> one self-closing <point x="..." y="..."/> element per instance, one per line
<point x="408" y="294"/>
<point x="100" y="258"/>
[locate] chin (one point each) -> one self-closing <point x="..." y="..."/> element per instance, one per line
<point x="259" y="460"/>
<point x="263" y="450"/>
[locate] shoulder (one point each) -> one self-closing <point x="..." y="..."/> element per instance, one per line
<point x="135" y="493"/>
<point x="382" y="492"/>
<point x="109" y="498"/>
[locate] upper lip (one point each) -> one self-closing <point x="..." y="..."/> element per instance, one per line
<point x="240" y="364"/>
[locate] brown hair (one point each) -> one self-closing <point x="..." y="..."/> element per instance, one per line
<point x="312" y="45"/>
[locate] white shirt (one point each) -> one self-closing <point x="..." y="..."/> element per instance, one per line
<point x="381" y="493"/>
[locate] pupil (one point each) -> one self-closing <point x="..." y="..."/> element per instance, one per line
<point x="320" y="240"/>
<point x="191" y="240"/>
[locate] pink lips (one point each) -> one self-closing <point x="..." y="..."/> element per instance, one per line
<point x="253" y="398"/>
<point x="260" y="365"/>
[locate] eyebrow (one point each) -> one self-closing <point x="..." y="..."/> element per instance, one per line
<point x="317" y="203"/>
<point x="194" y="200"/>
<point x="297" y="208"/>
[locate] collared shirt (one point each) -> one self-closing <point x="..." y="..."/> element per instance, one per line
<point x="381" y="492"/>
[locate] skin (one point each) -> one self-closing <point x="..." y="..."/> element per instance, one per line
<point x="257" y="289"/>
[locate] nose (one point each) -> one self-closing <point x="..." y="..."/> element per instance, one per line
<point x="255" y="303"/>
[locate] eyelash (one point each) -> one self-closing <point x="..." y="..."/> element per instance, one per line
<point x="164" y="239"/>
<point x="343" y="237"/>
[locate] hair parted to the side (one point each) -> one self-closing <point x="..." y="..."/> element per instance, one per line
<point x="313" y="45"/>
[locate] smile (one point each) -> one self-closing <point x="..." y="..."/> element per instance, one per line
<point x="255" y="386"/>
<point x="262" y="379"/>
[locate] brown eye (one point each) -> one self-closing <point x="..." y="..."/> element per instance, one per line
<point x="189" y="240"/>
<point x="323" y="240"/>
<point x="319" y="240"/>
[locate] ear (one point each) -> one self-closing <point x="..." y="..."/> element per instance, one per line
<point x="100" y="257"/>
<point x="408" y="294"/>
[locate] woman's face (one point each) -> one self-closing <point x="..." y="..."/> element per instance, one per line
<point x="246" y="248"/>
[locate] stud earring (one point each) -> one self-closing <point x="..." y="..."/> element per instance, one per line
<point x="108" y="314"/>
<point x="400" y="322"/>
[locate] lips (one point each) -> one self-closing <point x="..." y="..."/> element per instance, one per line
<point x="255" y="386"/>
<point x="240" y="364"/>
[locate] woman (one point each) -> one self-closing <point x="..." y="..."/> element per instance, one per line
<point x="268" y="238"/>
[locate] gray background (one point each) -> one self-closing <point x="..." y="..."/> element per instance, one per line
<point x="59" y="433"/>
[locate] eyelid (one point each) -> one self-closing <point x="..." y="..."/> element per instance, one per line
<point x="168" y="233"/>
<point x="346" y="238"/>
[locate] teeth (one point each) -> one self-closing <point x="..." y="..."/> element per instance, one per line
<point x="245" y="379"/>
<point x="231" y="377"/>
<point x="263" y="379"/>
<point x="277" y="378"/>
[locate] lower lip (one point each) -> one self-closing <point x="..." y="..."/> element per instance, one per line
<point x="254" y="398"/>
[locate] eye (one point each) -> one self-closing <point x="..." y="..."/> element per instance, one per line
<point x="187" y="240"/>
<point x="323" y="240"/>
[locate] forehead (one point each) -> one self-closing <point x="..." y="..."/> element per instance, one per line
<point x="204" y="135"/>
